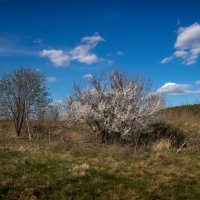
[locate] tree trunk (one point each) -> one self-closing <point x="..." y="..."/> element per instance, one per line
<point x="137" y="139"/>
<point x="18" y="132"/>
<point x="18" y="126"/>
<point x="27" y="124"/>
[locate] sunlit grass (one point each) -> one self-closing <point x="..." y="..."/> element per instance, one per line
<point x="73" y="172"/>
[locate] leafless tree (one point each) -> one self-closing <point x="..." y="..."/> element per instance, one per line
<point x="22" y="92"/>
<point x="55" y="111"/>
<point x="116" y="106"/>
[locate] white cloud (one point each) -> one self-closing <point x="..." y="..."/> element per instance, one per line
<point x="120" y="53"/>
<point x="92" y="40"/>
<point x="57" y="57"/>
<point x="51" y="79"/>
<point x="87" y="76"/>
<point x="180" y="54"/>
<point x="188" y="37"/>
<point x="166" y="60"/>
<point x="81" y="53"/>
<point x="177" y="89"/>
<point x="197" y="82"/>
<point x="187" y="45"/>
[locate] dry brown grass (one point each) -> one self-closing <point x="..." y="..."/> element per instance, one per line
<point x="162" y="145"/>
<point x="187" y="120"/>
<point x="189" y="114"/>
<point x="79" y="166"/>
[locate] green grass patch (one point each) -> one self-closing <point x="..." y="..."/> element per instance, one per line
<point x="165" y="175"/>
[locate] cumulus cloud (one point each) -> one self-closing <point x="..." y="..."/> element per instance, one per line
<point x="81" y="53"/>
<point x="177" y="89"/>
<point x="120" y="53"/>
<point x="87" y="76"/>
<point x="92" y="40"/>
<point x="51" y="79"/>
<point x="187" y="45"/>
<point x="57" y="57"/>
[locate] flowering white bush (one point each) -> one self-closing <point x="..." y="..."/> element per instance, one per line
<point x="116" y="107"/>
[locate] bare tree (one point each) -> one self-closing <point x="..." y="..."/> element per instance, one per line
<point x="116" y="106"/>
<point x="54" y="111"/>
<point x="22" y="92"/>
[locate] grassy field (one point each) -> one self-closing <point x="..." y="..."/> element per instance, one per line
<point x="77" y="166"/>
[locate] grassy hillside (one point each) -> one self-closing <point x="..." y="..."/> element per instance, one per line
<point x="186" y="119"/>
<point x="185" y="113"/>
<point x="75" y="165"/>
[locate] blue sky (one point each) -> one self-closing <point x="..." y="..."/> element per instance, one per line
<point x="69" y="40"/>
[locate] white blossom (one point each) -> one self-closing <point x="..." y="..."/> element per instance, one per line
<point x="117" y="107"/>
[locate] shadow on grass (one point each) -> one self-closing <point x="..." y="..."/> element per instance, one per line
<point x="163" y="131"/>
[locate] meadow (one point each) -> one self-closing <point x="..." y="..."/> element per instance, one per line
<point x="74" y="164"/>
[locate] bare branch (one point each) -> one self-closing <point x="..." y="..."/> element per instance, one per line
<point x="21" y="94"/>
